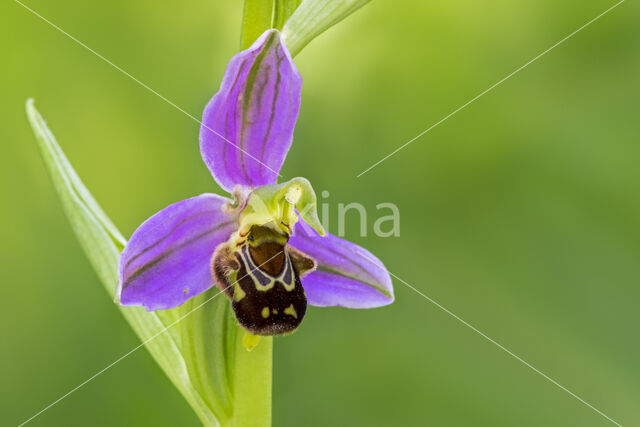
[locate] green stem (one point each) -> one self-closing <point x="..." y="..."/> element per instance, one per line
<point x="255" y="21"/>
<point x="252" y="377"/>
<point x="282" y="10"/>
<point x="260" y="15"/>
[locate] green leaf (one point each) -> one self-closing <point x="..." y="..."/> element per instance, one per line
<point x="313" y="17"/>
<point x="199" y="344"/>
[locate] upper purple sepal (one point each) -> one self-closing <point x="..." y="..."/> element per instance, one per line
<point x="247" y="127"/>
<point x="166" y="261"/>
<point x="347" y="274"/>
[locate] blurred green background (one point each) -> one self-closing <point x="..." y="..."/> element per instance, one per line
<point x="521" y="213"/>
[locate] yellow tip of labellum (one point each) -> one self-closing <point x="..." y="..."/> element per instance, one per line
<point x="250" y="341"/>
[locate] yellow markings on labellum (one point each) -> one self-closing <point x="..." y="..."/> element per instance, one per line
<point x="264" y="288"/>
<point x="250" y="341"/>
<point x="274" y="311"/>
<point x="265" y="312"/>
<point x="291" y="311"/>
<point x="291" y="286"/>
<point x="238" y="293"/>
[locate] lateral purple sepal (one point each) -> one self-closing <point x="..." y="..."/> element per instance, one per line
<point x="166" y="261"/>
<point x="347" y="275"/>
<point x="247" y="127"/>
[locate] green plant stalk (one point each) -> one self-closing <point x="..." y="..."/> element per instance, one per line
<point x="282" y="10"/>
<point x="252" y="379"/>
<point x="261" y="15"/>
<point x="256" y="19"/>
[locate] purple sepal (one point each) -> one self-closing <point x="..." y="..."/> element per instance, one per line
<point x="347" y="274"/>
<point x="166" y="261"/>
<point x="247" y="127"/>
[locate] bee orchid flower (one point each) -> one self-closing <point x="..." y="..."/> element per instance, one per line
<point x="265" y="247"/>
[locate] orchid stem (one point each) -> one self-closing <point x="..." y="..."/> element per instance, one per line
<point x="252" y="376"/>
<point x="261" y="15"/>
<point x="256" y="20"/>
<point x="282" y="10"/>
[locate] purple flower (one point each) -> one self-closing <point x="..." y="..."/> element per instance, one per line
<point x="265" y="245"/>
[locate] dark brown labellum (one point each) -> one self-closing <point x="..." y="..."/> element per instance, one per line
<point x="262" y="279"/>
